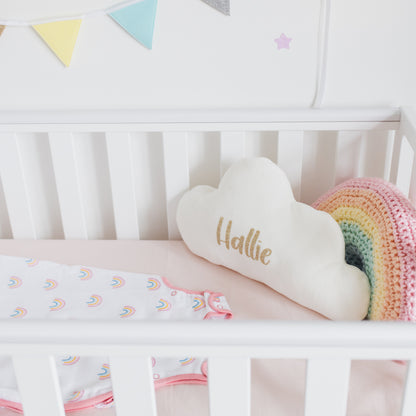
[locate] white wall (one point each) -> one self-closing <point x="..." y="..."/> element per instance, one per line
<point x="204" y="59"/>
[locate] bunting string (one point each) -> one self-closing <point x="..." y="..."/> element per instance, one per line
<point x="136" y="17"/>
<point x="221" y="5"/>
<point x="89" y="15"/>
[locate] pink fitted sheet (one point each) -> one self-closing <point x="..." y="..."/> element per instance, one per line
<point x="278" y="386"/>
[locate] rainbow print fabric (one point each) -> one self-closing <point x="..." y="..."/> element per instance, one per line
<point x="37" y="289"/>
<point x="379" y="227"/>
<point x="14" y="282"/>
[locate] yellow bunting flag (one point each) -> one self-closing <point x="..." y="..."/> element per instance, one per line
<point x="60" y="37"/>
<point x="2" y="27"/>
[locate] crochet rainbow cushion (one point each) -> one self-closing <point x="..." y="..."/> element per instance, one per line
<point x="379" y="227"/>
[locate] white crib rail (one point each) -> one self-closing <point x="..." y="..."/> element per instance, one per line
<point x="127" y="197"/>
<point x="67" y="177"/>
<point x="176" y="176"/>
<point x="15" y="187"/>
<point x="329" y="347"/>
<point x="132" y="381"/>
<point x="120" y="164"/>
<point x="229" y="386"/>
<point x="200" y="120"/>
<point x="327" y="386"/>
<point x="404" y="155"/>
<point x="38" y="384"/>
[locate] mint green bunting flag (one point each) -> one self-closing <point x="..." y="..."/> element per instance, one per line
<point x="138" y="20"/>
<point x="221" y="5"/>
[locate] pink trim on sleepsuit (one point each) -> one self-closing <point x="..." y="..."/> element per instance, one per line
<point x="107" y="398"/>
<point x="190" y="292"/>
<point x="225" y="313"/>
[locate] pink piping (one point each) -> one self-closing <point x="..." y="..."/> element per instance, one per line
<point x="107" y="398"/>
<point x="223" y="313"/>
<point x="191" y="292"/>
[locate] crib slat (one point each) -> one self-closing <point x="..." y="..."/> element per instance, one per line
<point x="68" y="185"/>
<point x="229" y="386"/>
<point x="38" y="384"/>
<point x="290" y="158"/>
<point x="119" y="150"/>
<point x="233" y="148"/>
<point x="15" y="188"/>
<point x="176" y="176"/>
<point x="412" y="190"/>
<point x="409" y="397"/>
<point x="327" y="387"/>
<point x="388" y="155"/>
<point x="398" y="140"/>
<point x="348" y="155"/>
<point x="404" y="170"/>
<point x="133" y="386"/>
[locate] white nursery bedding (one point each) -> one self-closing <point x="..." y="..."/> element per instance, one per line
<point x="277" y="385"/>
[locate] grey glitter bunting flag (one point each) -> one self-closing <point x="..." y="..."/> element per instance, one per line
<point x="221" y="5"/>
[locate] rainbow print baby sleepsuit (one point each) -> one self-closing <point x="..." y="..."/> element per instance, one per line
<point x="32" y="289"/>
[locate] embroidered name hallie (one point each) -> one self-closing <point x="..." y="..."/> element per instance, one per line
<point x="249" y="245"/>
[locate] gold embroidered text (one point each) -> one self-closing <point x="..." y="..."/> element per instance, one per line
<point x="249" y="245"/>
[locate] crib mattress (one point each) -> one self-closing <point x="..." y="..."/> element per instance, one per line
<point x="278" y="386"/>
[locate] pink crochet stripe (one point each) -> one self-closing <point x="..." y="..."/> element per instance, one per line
<point x="402" y="216"/>
<point x="395" y="203"/>
<point x="362" y="198"/>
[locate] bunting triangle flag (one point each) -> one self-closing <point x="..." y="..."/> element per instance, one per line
<point x="138" y="20"/>
<point x="221" y="5"/>
<point x="60" y="37"/>
<point x="2" y="27"/>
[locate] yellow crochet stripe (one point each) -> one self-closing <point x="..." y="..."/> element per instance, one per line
<point x="366" y="223"/>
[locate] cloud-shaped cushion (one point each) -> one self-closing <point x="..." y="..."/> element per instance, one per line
<point x="253" y="225"/>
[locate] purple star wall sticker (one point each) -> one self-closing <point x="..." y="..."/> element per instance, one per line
<point x="283" y="42"/>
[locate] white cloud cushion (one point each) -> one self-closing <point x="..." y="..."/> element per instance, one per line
<point x="252" y="224"/>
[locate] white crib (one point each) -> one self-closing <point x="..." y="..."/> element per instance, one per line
<point x="119" y="174"/>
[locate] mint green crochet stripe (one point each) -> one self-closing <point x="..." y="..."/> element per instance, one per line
<point x="358" y="243"/>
